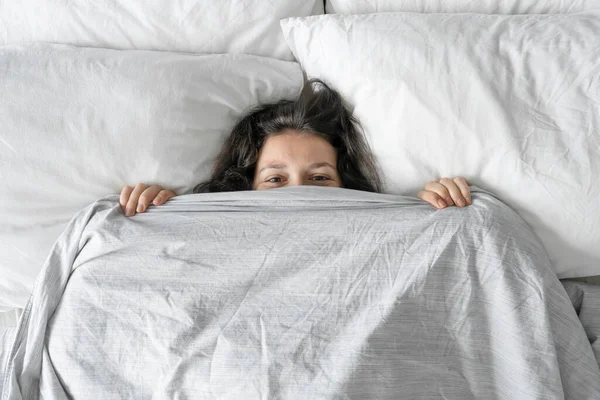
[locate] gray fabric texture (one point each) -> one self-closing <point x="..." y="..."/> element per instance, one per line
<point x="300" y="293"/>
<point x="586" y="300"/>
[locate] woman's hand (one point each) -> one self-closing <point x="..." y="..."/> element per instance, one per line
<point x="447" y="192"/>
<point x="136" y="199"/>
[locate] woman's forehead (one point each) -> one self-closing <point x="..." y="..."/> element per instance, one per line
<point x="292" y="143"/>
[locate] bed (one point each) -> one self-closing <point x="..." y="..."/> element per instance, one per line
<point x="300" y="292"/>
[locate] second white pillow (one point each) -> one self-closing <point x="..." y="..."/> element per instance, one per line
<point x="512" y="103"/>
<point x="461" y="6"/>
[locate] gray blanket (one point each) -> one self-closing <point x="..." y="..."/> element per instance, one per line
<point x="586" y="300"/>
<point x="300" y="293"/>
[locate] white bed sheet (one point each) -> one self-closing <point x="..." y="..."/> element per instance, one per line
<point x="196" y="26"/>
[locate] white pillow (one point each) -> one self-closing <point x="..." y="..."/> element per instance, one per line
<point x="461" y="6"/>
<point x="196" y="26"/>
<point x="78" y="124"/>
<point x="512" y="103"/>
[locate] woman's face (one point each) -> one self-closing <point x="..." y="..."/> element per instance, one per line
<point x="295" y="158"/>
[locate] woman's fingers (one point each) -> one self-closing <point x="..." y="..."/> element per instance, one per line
<point x="147" y="196"/>
<point x="441" y="191"/>
<point x="455" y="192"/>
<point x="432" y="198"/>
<point x="463" y="186"/>
<point x="449" y="191"/>
<point x="138" y="198"/>
<point x="133" y="199"/>
<point x="125" y="194"/>
<point x="163" y="196"/>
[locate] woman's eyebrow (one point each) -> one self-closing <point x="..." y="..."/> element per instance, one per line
<point x="321" y="164"/>
<point x="273" y="166"/>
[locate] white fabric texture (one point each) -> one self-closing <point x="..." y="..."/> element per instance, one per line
<point x="9" y="319"/>
<point x="79" y="124"/>
<point x="7" y="338"/>
<point x="196" y="26"/>
<point x="461" y="6"/>
<point x="512" y="103"/>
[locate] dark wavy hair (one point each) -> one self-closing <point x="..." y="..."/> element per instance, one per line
<point x="319" y="110"/>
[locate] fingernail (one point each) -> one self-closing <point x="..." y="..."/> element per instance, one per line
<point x="461" y="203"/>
<point x="449" y="200"/>
<point x="441" y="203"/>
<point x="140" y="208"/>
<point x="129" y="212"/>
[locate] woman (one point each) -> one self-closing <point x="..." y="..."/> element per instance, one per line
<point x="313" y="140"/>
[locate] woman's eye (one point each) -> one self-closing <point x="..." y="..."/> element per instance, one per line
<point x="320" y="178"/>
<point x="274" y="180"/>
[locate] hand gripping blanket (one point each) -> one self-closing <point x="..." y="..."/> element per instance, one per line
<point x="300" y="293"/>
